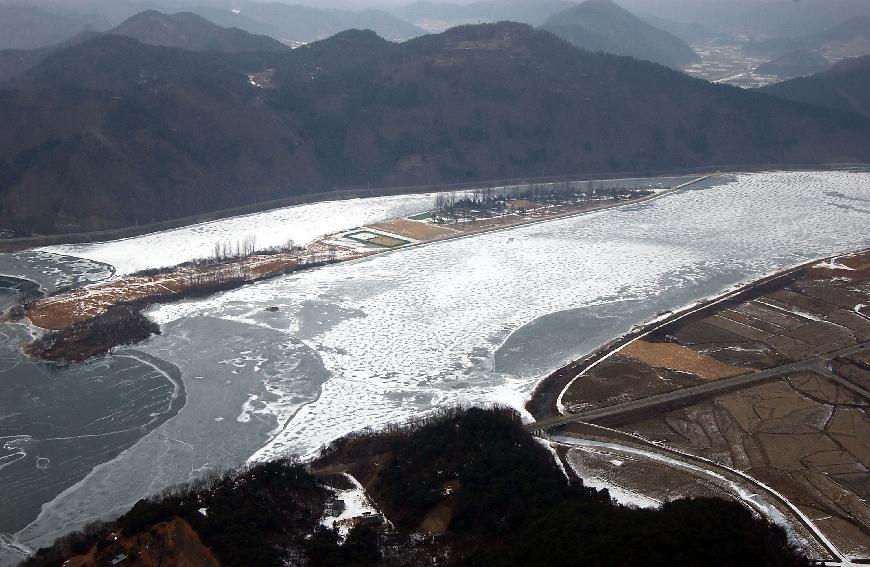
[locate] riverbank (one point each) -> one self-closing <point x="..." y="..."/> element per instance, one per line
<point x="66" y="314"/>
<point x="18" y="244"/>
<point x="545" y="401"/>
<point x="770" y="381"/>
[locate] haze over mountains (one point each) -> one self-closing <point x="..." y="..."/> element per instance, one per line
<point x="755" y="18"/>
<point x="183" y="30"/>
<point x="26" y="27"/>
<point x="190" y="31"/>
<point x="438" y="16"/>
<point x="302" y="24"/>
<point x="846" y="86"/>
<point x="795" y="64"/>
<point x="602" y="25"/>
<point x="845" y="39"/>
<point x="112" y="132"/>
<point x="31" y="26"/>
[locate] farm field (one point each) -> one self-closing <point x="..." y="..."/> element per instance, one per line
<point x="726" y="62"/>
<point x="805" y="431"/>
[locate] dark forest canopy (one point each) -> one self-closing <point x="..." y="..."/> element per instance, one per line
<point x="186" y="30"/>
<point x="112" y="132"/>
<point x="510" y="505"/>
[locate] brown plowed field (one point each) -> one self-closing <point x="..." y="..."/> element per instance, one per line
<point x="683" y="359"/>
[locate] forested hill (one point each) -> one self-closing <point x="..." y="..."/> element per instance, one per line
<point x="795" y="64"/>
<point x="602" y="25"/>
<point x="114" y="132"/>
<point x="846" y="86"/>
<point x="491" y="492"/>
<point x="186" y="30"/>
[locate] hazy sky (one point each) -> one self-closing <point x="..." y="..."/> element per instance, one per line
<point x="731" y="13"/>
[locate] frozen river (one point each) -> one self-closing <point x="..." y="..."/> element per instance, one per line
<point x="474" y="320"/>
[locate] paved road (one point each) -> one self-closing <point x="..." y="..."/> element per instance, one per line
<point x="822" y="369"/>
<point x="817" y="365"/>
<point x="701" y="465"/>
<point x="330" y="470"/>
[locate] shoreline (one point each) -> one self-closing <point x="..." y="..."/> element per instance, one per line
<point x="72" y="312"/>
<point x="545" y="400"/>
<point x="823" y="356"/>
<point x="19" y="244"/>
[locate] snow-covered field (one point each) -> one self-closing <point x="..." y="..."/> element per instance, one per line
<point x="472" y="320"/>
<point x="301" y="224"/>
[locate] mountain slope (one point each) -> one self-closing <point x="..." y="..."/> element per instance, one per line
<point x="848" y="39"/>
<point x="190" y="31"/>
<point x="14" y="62"/>
<point x="846" y="87"/>
<point x="175" y="132"/>
<point x="795" y="64"/>
<point x="114" y="132"/>
<point x="183" y="30"/>
<point x="688" y="32"/>
<point x="601" y="25"/>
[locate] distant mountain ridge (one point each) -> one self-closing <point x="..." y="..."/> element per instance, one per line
<point x="795" y="64"/>
<point x="186" y="30"/>
<point x="446" y="14"/>
<point x="790" y="18"/>
<point x="844" y="87"/>
<point x="850" y="38"/>
<point x="113" y="132"/>
<point x="304" y="24"/>
<point x="27" y="27"/>
<point x="602" y="25"/>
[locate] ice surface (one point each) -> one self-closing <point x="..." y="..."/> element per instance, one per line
<point x="53" y="271"/>
<point x="402" y="333"/>
<point x="302" y="224"/>
<point x="432" y="318"/>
